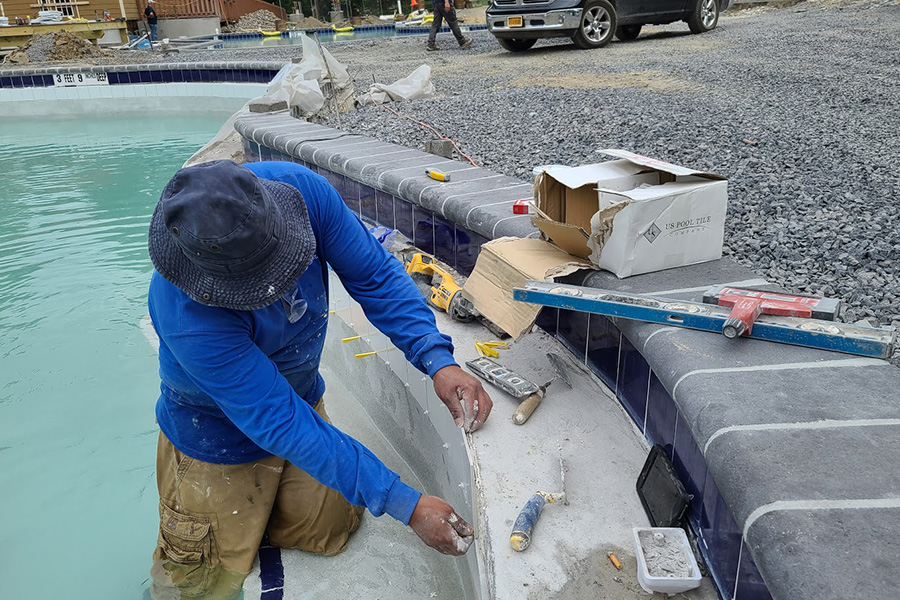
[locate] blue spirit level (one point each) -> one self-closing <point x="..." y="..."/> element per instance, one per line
<point x="812" y="333"/>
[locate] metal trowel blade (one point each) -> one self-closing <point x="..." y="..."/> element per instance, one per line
<point x="560" y="367"/>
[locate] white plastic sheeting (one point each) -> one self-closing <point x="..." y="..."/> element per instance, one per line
<point x="317" y="83"/>
<point x="415" y="86"/>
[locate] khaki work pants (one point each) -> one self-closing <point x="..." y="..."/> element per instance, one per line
<point x="213" y="517"/>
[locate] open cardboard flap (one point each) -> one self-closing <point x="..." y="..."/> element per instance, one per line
<point x="507" y="263"/>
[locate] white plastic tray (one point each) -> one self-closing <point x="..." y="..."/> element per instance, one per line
<point x="666" y="585"/>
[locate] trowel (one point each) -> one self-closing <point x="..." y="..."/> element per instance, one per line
<point x="528" y="517"/>
<point x="530" y="404"/>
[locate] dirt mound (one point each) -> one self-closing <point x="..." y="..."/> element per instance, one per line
<point x="308" y="23"/>
<point x="60" y="45"/>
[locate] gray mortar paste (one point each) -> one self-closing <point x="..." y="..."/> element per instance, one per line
<point x="664" y="554"/>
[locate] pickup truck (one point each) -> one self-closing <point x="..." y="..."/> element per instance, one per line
<point x="518" y="24"/>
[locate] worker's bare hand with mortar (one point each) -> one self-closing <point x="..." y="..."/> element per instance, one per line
<point x="440" y="527"/>
<point x="464" y="397"/>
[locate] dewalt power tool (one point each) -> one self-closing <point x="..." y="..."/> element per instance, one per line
<point x="439" y="288"/>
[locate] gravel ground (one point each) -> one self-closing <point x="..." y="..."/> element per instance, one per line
<point x="796" y="105"/>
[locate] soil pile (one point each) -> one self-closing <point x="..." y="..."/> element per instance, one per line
<point x="259" y="20"/>
<point x="60" y="45"/>
<point x="308" y="23"/>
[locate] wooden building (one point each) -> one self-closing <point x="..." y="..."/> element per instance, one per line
<point x="133" y="10"/>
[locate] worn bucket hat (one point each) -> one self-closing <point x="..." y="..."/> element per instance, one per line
<point x="228" y="238"/>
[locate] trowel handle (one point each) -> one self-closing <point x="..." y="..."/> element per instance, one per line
<point x="525" y="522"/>
<point x="527" y="407"/>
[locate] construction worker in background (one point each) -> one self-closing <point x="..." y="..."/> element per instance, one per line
<point x="444" y="10"/>
<point x="150" y="14"/>
<point x="239" y="300"/>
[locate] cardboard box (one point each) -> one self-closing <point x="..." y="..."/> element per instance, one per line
<point x="633" y="215"/>
<point x="507" y="263"/>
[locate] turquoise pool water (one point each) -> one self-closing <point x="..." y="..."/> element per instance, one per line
<point x="78" y="379"/>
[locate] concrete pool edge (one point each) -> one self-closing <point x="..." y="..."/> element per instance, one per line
<point x="738" y="493"/>
<point x="403" y="405"/>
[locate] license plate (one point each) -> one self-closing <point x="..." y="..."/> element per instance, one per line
<point x="514" y="22"/>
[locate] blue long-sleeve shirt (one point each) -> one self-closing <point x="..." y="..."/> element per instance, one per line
<point x="240" y="385"/>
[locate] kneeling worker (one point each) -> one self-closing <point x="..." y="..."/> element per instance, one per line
<point x="239" y="300"/>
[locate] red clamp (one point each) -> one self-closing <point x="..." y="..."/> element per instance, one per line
<point x="747" y="305"/>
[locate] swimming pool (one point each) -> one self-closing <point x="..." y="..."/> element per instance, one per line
<point x="78" y="382"/>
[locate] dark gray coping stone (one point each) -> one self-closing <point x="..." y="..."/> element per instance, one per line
<point x="801" y="443"/>
<point x="476" y="198"/>
<point x="796" y="434"/>
<point x="859" y="544"/>
<point x="260" y="66"/>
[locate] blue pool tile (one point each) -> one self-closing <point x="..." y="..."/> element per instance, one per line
<point x="750" y="584"/>
<point x="661" y="416"/>
<point x="632" y="384"/>
<point x="155" y="76"/>
<point x="572" y="331"/>
<point x="367" y="203"/>
<point x="423" y="230"/>
<point x="351" y="196"/>
<point x="468" y="246"/>
<point x="17" y="82"/>
<point x="165" y="76"/>
<point x="603" y="350"/>
<point x="250" y="150"/>
<point x="720" y="538"/>
<point x="403" y="217"/>
<point x="113" y="78"/>
<point x="384" y="208"/>
<point x="690" y="465"/>
<point x="445" y="240"/>
<point x="144" y="76"/>
<point x="547" y="318"/>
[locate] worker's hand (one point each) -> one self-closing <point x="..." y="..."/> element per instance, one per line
<point x="447" y="6"/>
<point x="440" y="527"/>
<point x="463" y="395"/>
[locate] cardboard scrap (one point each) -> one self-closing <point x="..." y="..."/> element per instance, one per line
<point x="507" y="263"/>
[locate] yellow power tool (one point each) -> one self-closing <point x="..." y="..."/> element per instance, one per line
<point x="439" y="288"/>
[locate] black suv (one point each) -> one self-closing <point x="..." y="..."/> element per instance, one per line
<point x="518" y="24"/>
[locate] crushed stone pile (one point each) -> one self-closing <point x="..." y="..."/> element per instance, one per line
<point x="60" y="45"/>
<point x="258" y="20"/>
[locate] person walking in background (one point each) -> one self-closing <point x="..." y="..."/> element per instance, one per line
<point x="444" y="10"/>
<point x="150" y="14"/>
<point x="239" y="300"/>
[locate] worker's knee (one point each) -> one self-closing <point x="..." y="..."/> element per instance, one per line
<point x="326" y="532"/>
